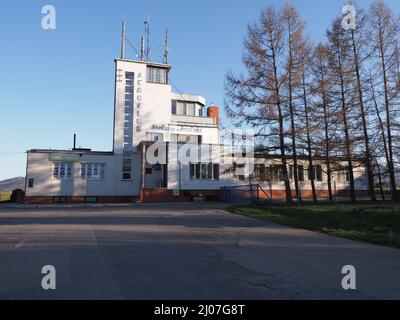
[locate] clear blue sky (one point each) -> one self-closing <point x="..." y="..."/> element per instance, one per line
<point x="60" y="82"/>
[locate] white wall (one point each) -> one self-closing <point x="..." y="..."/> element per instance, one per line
<point x="40" y="168"/>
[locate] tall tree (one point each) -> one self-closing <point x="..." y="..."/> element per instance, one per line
<point x="294" y="43"/>
<point x="306" y="59"/>
<point x="359" y="56"/>
<point x="383" y="34"/>
<point x="339" y="47"/>
<point x="322" y="79"/>
<point x="256" y="97"/>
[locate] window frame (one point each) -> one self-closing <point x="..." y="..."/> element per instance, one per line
<point x="203" y="171"/>
<point x="67" y="169"/>
<point x="101" y="171"/>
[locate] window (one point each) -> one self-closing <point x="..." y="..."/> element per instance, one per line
<point x="180" y="138"/>
<point x="127" y="167"/>
<point x="344" y="175"/>
<point x="276" y="173"/>
<point x="30" y="183"/>
<point x="92" y="171"/>
<point x="157" y="75"/>
<point x="259" y="172"/>
<point x="173" y="107"/>
<point x="300" y="172"/>
<point x="204" y="171"/>
<point x="190" y="109"/>
<point x="315" y="172"/>
<point x="62" y="171"/>
<point x="150" y="136"/>
<point x="182" y="108"/>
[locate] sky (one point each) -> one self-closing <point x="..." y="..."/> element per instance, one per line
<point x="54" y="83"/>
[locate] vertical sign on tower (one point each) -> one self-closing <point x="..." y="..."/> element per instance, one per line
<point x="139" y="102"/>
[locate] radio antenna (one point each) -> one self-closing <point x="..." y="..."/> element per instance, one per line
<point x="147" y="37"/>
<point x="166" y="48"/>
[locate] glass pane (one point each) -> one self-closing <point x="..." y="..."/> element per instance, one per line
<point x="127" y="176"/>
<point x="89" y="172"/>
<point x="210" y="171"/>
<point x="216" y="171"/>
<point x="180" y="108"/>
<point x="95" y="171"/>
<point x="102" y="171"/>
<point x="55" y="171"/>
<point x="62" y="171"/>
<point x="204" y="171"/>
<point x="190" y="109"/>
<point x="83" y="171"/>
<point x="69" y="171"/>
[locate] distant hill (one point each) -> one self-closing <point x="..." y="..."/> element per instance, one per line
<point x="11" y="184"/>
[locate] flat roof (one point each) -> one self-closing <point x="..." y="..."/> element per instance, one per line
<point x="151" y="64"/>
<point x="76" y="151"/>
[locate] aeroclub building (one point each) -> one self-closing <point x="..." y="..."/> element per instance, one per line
<point x="147" y="114"/>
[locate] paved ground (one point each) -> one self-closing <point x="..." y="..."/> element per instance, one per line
<point x="181" y="252"/>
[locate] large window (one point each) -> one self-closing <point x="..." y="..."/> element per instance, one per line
<point x="276" y="173"/>
<point x="92" y="171"/>
<point x="315" y="172"/>
<point x="300" y="172"/>
<point x="127" y="167"/>
<point x="259" y="173"/>
<point x="157" y="75"/>
<point x="343" y="175"/>
<point x="62" y="171"/>
<point x="204" y="171"/>
<point x="182" y="108"/>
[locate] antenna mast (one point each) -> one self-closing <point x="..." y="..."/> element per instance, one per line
<point x="166" y="48"/>
<point x="147" y="36"/>
<point x="142" y="50"/>
<point x="123" y="41"/>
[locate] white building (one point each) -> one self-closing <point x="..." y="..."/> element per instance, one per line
<point x="147" y="110"/>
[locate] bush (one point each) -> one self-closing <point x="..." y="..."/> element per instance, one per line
<point x="17" y="196"/>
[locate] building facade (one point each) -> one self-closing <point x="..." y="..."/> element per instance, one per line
<point x="150" y="119"/>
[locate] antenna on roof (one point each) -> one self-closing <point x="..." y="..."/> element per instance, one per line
<point x="123" y="41"/>
<point x="147" y="37"/>
<point x="166" y="48"/>
<point x="142" y="50"/>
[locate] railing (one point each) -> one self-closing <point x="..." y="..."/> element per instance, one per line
<point x="251" y="193"/>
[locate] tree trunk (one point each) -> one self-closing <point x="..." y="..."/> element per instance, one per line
<point x="368" y="160"/>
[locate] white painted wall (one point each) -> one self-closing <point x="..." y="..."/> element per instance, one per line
<point x="40" y="168"/>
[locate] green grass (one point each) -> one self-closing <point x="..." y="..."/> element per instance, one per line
<point x="372" y="223"/>
<point x="5" y="196"/>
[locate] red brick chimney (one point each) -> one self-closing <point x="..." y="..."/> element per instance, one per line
<point x="213" y="112"/>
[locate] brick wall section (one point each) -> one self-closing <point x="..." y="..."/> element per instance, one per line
<point x="166" y="196"/>
<point x="80" y="200"/>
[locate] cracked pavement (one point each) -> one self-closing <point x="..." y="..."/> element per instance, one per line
<point x="181" y="251"/>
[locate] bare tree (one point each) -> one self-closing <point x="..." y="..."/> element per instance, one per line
<point x="256" y="98"/>
<point x="383" y="35"/>
<point x="339" y="49"/>
<point x="322" y="80"/>
<point x="360" y="55"/>
<point x="294" y="43"/>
